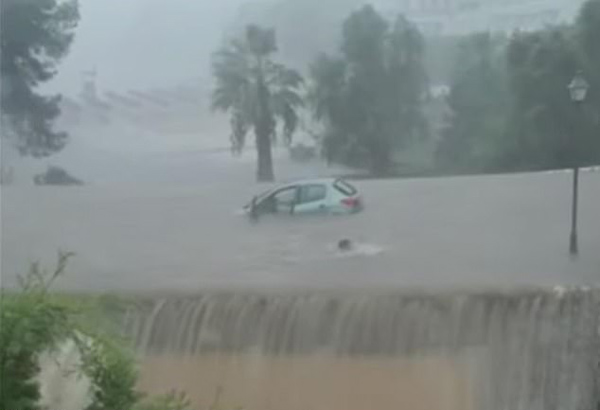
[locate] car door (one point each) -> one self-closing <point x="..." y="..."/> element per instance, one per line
<point x="312" y="199"/>
<point x="280" y="202"/>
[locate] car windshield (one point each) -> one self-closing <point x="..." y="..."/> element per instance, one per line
<point x="299" y="204"/>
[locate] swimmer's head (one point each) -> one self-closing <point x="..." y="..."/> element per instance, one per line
<point x="345" y="245"/>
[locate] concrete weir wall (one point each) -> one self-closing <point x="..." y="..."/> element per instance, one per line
<point x="534" y="350"/>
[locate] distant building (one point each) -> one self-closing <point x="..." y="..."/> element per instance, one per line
<point x="455" y="17"/>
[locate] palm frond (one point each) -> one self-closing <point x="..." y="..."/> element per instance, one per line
<point x="239" y="129"/>
<point x="243" y="72"/>
<point x="261" y="41"/>
<point x="287" y="96"/>
<point x="231" y="69"/>
<point x="279" y="75"/>
<point x="290" y="122"/>
<point x="285" y="104"/>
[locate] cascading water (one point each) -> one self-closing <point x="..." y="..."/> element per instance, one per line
<point x="63" y="386"/>
<point x="515" y="350"/>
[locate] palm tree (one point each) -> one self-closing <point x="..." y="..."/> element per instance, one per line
<point x="256" y="92"/>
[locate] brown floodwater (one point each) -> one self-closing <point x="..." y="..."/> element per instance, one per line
<point x="486" y="231"/>
<point x="319" y="382"/>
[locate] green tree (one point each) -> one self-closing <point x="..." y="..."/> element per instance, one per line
<point x="548" y="129"/>
<point x="256" y="91"/>
<point x="588" y="33"/>
<point x="369" y="99"/>
<point x="440" y="57"/>
<point x="474" y="139"/>
<point x="299" y="41"/>
<point x="328" y="100"/>
<point x="35" y="36"/>
<point x="511" y="109"/>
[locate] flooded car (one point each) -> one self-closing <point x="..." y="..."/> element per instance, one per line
<point x="318" y="196"/>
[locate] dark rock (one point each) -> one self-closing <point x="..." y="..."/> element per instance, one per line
<point x="56" y="176"/>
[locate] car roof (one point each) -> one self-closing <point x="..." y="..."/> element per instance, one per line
<point x="314" y="181"/>
<point x="283" y="185"/>
<point x="325" y="181"/>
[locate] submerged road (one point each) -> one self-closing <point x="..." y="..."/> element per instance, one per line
<point x="483" y="231"/>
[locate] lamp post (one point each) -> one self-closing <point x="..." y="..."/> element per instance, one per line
<point x="578" y="89"/>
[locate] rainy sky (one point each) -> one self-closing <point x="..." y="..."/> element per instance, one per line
<point x="155" y="43"/>
<point x="144" y="43"/>
<point x="140" y="44"/>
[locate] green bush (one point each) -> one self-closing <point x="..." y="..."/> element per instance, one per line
<point x="34" y="321"/>
<point x="112" y="373"/>
<point x="31" y="323"/>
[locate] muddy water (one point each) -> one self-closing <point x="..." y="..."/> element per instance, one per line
<point x="437" y="233"/>
<point x="318" y="382"/>
<point x="440" y="351"/>
<point x="325" y="349"/>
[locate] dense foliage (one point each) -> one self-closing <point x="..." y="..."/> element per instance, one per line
<point x="508" y="107"/>
<point x="31" y="324"/>
<point x="36" y="35"/>
<point x="35" y="321"/>
<point x="510" y="104"/>
<point x="473" y="138"/>
<point x="370" y="97"/>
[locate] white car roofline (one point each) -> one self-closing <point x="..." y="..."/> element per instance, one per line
<point x="324" y="180"/>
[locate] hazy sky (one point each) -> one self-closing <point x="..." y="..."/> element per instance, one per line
<point x="155" y="43"/>
<point x="144" y="43"/>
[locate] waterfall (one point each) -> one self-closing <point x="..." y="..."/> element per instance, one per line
<point x="534" y="349"/>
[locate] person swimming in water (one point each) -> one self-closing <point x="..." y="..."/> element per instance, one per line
<point x="345" y="245"/>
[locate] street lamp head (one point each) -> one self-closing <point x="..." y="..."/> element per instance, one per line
<point x="578" y="88"/>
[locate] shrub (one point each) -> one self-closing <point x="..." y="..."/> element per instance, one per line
<point x="31" y="324"/>
<point x="35" y="321"/>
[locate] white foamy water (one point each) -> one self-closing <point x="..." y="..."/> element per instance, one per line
<point x="63" y="386"/>
<point x="358" y="249"/>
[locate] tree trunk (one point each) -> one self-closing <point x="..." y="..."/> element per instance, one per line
<point x="264" y="171"/>
<point x="263" y="130"/>
<point x="380" y="161"/>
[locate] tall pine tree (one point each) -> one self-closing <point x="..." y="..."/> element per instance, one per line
<point x="35" y="37"/>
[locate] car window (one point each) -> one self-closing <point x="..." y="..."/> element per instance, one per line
<point x="312" y="193"/>
<point x="286" y="196"/>
<point x="344" y="187"/>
